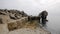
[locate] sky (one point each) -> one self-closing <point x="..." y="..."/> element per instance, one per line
<point x="33" y="7"/>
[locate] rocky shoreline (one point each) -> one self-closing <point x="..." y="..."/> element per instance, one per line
<point x="18" y="22"/>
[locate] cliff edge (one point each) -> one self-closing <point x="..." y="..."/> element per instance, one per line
<point x="18" y="22"/>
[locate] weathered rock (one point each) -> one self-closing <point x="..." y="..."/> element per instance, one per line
<point x="18" y="22"/>
<point x="1" y="22"/>
<point x="4" y="29"/>
<point x="2" y="13"/>
<point x="29" y="29"/>
<point x="18" y="16"/>
<point x="5" y="19"/>
<point x="11" y="14"/>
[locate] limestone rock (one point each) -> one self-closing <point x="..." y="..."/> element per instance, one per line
<point x="8" y="15"/>
<point x="18" y="22"/>
<point x="4" y="29"/>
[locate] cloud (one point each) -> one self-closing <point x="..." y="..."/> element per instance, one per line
<point x="30" y="6"/>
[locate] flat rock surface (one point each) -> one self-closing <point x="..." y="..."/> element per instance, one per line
<point x="29" y="31"/>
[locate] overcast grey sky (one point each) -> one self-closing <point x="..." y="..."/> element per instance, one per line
<point x="32" y="7"/>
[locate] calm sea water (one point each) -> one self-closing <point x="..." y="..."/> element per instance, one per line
<point x="53" y="24"/>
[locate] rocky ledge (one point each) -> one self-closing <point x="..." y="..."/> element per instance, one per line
<point x="18" y="22"/>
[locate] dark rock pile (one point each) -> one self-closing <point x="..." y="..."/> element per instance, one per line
<point x="14" y="14"/>
<point x="11" y="14"/>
